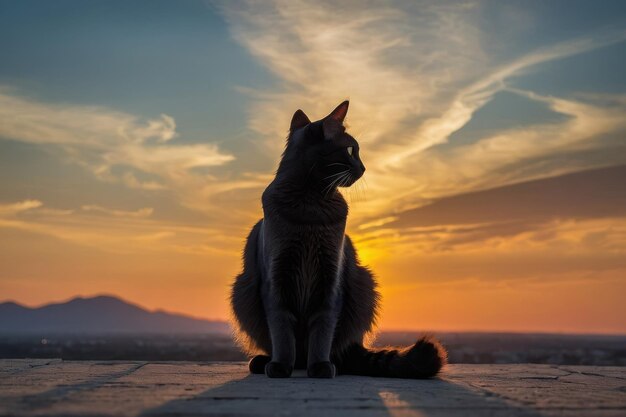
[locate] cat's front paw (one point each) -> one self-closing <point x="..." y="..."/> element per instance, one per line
<point x="321" y="370"/>
<point x="257" y="364"/>
<point x="278" y="370"/>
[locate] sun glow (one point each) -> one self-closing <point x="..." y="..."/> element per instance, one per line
<point x="493" y="197"/>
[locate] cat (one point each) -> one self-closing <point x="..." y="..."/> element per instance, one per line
<point x="303" y="300"/>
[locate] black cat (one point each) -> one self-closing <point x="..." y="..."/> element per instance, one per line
<point x="303" y="300"/>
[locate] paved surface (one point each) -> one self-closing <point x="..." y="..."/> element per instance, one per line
<point x="54" y="387"/>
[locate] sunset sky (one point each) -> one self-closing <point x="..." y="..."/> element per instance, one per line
<point x="136" y="139"/>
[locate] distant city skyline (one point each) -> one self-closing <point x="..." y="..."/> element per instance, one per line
<point x="136" y="139"/>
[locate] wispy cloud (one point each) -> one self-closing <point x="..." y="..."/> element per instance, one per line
<point x="14" y="208"/>
<point x="102" y="139"/>
<point x="118" y="231"/>
<point x="416" y="73"/>
<point x="480" y="164"/>
<point x="437" y="130"/>
<point x="33" y="121"/>
<point x="142" y="212"/>
<point x="387" y="60"/>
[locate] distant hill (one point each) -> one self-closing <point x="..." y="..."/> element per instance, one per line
<point x="102" y="314"/>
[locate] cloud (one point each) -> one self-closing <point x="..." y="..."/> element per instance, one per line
<point x="130" y="180"/>
<point x="387" y="60"/>
<point x="113" y="145"/>
<point x="32" y="121"/>
<point x="14" y="208"/>
<point x="482" y="164"/>
<point x="140" y="213"/>
<point x="118" y="231"/>
<point x="583" y="212"/>
<point x="588" y="194"/>
<point x="437" y="130"/>
<point x="415" y="73"/>
<point x="124" y="149"/>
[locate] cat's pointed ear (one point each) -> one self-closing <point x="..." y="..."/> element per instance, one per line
<point x="299" y="120"/>
<point x="340" y="112"/>
<point x="333" y="123"/>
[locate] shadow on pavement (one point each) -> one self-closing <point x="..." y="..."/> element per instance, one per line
<point x="256" y="395"/>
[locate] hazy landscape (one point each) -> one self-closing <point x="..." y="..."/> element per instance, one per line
<point x="108" y="328"/>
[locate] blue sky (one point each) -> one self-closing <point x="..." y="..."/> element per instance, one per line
<point x="143" y="58"/>
<point x="148" y="129"/>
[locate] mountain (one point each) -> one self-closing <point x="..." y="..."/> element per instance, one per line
<point x="102" y="314"/>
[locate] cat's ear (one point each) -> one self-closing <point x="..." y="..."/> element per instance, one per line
<point x="333" y="123"/>
<point x="340" y="112"/>
<point x="299" y="120"/>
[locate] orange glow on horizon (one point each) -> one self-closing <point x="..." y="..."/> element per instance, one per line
<point x="493" y="198"/>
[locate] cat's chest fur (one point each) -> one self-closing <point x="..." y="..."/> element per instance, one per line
<point x="302" y="244"/>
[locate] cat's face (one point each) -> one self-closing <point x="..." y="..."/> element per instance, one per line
<point x="323" y="149"/>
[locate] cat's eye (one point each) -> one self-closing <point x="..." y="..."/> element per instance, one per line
<point x="350" y="149"/>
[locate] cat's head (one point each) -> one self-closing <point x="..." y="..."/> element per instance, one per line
<point x="322" y="153"/>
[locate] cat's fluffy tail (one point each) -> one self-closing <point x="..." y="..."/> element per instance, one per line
<point x="424" y="359"/>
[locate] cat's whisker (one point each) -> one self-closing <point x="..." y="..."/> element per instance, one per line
<point x="345" y="180"/>
<point x="361" y="187"/>
<point x="331" y="186"/>
<point x="355" y="194"/>
<point x="365" y="184"/>
<point x="361" y="190"/>
<point x="341" y="181"/>
<point x="340" y="178"/>
<point x="339" y="173"/>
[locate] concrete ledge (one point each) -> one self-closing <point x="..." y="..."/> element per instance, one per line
<point x="54" y="387"/>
